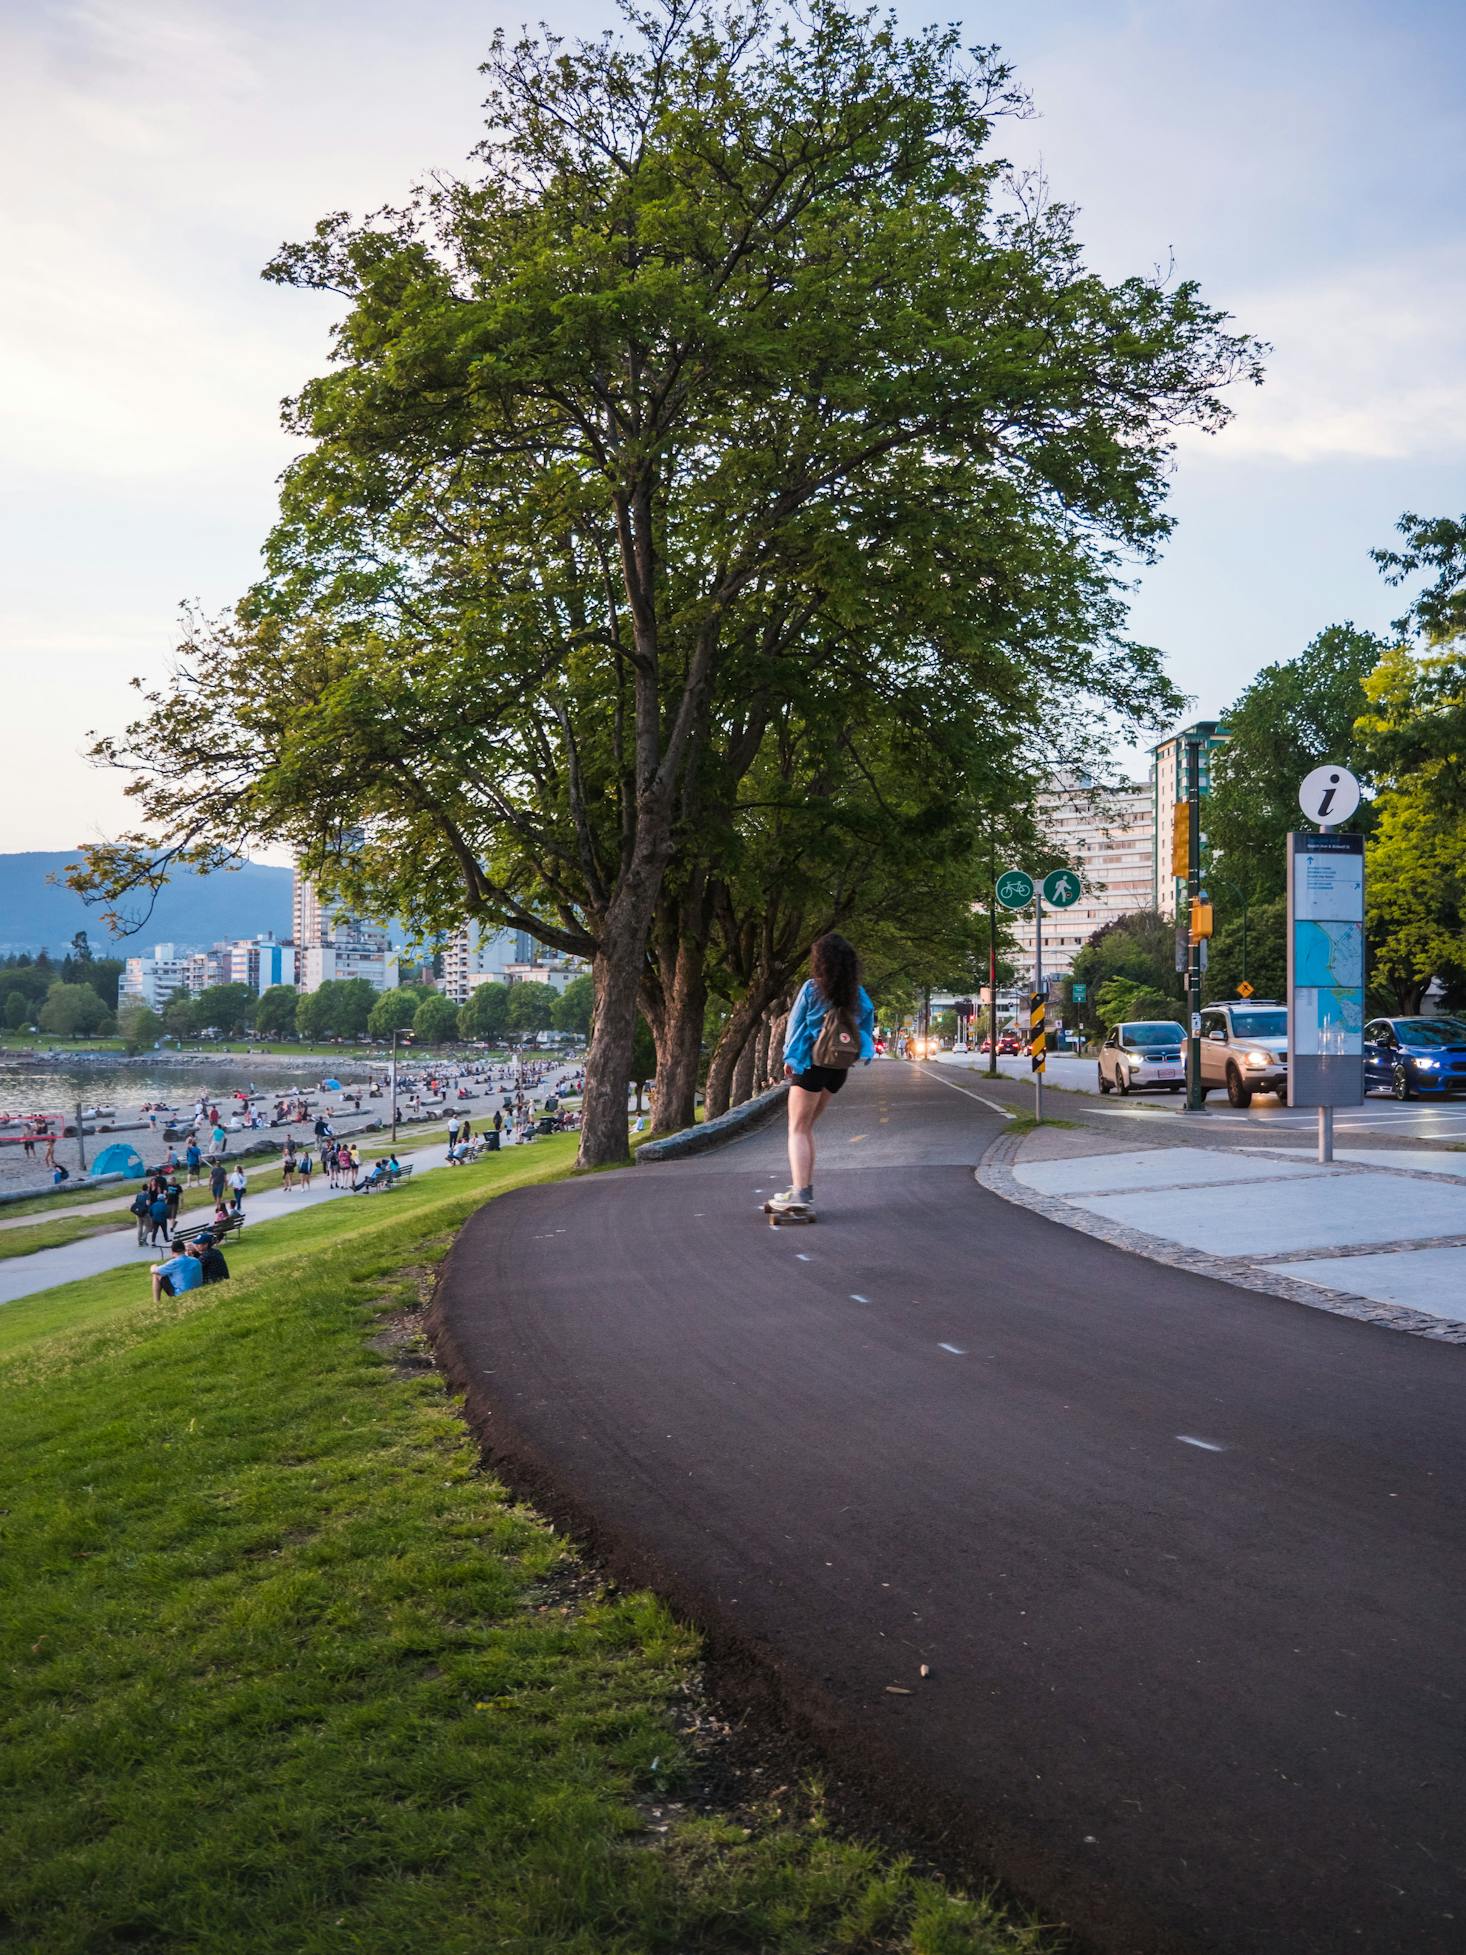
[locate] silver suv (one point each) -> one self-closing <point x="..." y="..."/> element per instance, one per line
<point x="1244" y="1047"/>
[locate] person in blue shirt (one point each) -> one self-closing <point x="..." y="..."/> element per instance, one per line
<point x="181" y="1272"/>
<point x="834" y="980"/>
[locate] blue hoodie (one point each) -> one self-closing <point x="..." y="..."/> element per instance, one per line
<point x="804" y="1027"/>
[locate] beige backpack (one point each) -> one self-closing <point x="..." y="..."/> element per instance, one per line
<point x="838" y="1043"/>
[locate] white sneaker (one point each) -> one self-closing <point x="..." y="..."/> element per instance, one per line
<point x="789" y="1203"/>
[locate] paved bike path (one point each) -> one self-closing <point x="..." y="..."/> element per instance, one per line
<point x="1186" y="1564"/>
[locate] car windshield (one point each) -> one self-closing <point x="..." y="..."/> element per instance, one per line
<point x="1259" y="1024"/>
<point x="1430" y="1031"/>
<point x="1160" y="1031"/>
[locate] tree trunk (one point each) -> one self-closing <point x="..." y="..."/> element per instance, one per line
<point x="678" y="1035"/>
<point x="743" y="1071"/>
<point x="617" y="973"/>
<point x="717" y="1096"/>
<point x="764" y="1034"/>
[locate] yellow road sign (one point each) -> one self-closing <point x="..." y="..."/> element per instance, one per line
<point x="1181" y="841"/>
<point x="1244" y="989"/>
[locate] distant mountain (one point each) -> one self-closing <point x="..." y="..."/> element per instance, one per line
<point x="191" y="909"/>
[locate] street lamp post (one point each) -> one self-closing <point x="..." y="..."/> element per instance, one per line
<point x="393" y="1088"/>
<point x="1241" y="895"/>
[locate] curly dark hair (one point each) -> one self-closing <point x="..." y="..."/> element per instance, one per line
<point x="836" y="970"/>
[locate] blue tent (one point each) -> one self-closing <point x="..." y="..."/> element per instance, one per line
<point x="119" y="1158"/>
<point x="331" y="1085"/>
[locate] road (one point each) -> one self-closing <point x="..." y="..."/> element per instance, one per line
<point x="1187" y="1564"/>
<point x="1380" y="1117"/>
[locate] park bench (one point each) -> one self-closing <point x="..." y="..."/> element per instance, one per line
<point x="218" y="1230"/>
<point x="391" y="1181"/>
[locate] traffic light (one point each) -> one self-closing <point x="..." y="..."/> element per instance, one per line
<point x="1201" y="920"/>
<point x="1181" y="841"/>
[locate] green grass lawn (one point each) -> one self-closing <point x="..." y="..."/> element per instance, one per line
<point x="288" y="1671"/>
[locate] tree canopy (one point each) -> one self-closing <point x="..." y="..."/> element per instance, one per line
<point x="739" y="402"/>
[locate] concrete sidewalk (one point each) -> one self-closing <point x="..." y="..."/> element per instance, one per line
<point x="1378" y="1234"/>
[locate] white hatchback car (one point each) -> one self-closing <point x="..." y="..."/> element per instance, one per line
<point x="1148" y="1052"/>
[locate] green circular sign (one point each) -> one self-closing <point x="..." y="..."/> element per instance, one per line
<point x="1061" y="888"/>
<point x="1015" y="889"/>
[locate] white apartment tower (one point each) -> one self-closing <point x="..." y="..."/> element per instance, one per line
<point x="1108" y="835"/>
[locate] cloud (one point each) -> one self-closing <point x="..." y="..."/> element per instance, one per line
<point x="1370" y="364"/>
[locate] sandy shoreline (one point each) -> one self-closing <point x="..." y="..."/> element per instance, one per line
<point x="485" y="1087"/>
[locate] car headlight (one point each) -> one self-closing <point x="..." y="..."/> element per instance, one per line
<point x="1259" y="1058"/>
<point x="1420" y="1061"/>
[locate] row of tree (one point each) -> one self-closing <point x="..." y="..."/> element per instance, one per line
<point x="710" y="497"/>
<point x="1393" y="710"/>
<point x="75" y="996"/>
<point x="350" y="1008"/>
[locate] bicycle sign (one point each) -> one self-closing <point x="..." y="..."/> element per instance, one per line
<point x="1015" y="889"/>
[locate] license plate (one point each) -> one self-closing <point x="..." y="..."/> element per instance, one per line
<point x="1168" y="1072"/>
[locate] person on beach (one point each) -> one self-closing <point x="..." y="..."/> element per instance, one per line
<point x="193" y="1160"/>
<point x="831" y="1026"/>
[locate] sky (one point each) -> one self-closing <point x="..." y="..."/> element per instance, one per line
<point x="1305" y="160"/>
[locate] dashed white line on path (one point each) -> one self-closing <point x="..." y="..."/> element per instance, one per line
<point x="855" y="1299"/>
<point x="1007" y="1112"/>
<point x="801" y="1257"/>
<point x="1206" y="1445"/>
<point x="956" y="1350"/>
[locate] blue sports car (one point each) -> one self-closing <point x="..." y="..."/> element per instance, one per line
<point x="1415" y="1055"/>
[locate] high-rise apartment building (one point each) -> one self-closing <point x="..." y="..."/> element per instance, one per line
<point x="1108" y="835"/>
<point x="1169" y="779"/>
<point x="258" y="962"/>
<point x="478" y="954"/>
<point x="329" y="943"/>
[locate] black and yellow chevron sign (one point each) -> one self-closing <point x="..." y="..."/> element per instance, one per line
<point x="1036" y="1031"/>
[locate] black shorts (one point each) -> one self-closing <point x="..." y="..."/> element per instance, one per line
<point x="821" y="1079"/>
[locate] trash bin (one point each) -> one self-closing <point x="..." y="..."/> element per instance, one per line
<point x="492" y="1138"/>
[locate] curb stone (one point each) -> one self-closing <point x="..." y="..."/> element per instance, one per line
<point x="995" y="1173"/>
<point x="712" y="1133"/>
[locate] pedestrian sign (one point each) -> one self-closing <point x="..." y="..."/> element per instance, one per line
<point x="1244" y="989"/>
<point x="1015" y="889"/>
<point x="1061" y="888"/>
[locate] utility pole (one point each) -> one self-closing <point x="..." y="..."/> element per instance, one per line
<point x="81" y="1139"/>
<point x="394" y="1088"/>
<point x="1194" y="1100"/>
<point x="992" y="956"/>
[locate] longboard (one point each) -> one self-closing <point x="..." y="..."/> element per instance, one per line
<point x="779" y="1216"/>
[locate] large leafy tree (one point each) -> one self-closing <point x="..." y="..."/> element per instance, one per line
<point x="1293" y="716"/>
<point x="435" y="1021"/>
<point x="229" y="1007"/>
<point x="735" y="338"/>
<point x="486" y="1015"/>
<point x="1415" y="860"/>
<point x="394" y="1011"/>
<point x="274" y="1012"/>
<point x="73" y="1010"/>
